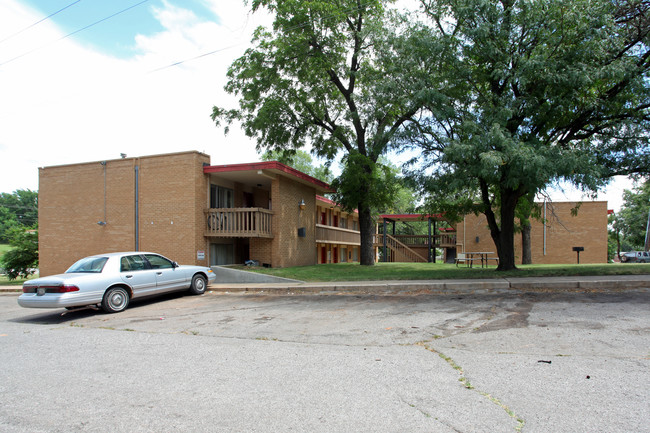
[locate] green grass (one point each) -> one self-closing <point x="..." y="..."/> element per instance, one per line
<point x="438" y="271"/>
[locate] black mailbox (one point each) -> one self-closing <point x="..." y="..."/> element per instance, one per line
<point x="302" y="232"/>
<point x="577" y="250"/>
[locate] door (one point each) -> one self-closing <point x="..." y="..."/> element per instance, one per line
<point x="323" y="254"/>
<point x="167" y="276"/>
<point x="136" y="272"/>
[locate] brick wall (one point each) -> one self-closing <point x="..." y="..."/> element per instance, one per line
<point x="72" y="200"/>
<point x="587" y="229"/>
<point x="288" y="248"/>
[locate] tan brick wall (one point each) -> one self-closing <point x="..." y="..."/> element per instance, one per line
<point x="173" y="194"/>
<point x="587" y="229"/>
<point x="288" y="248"/>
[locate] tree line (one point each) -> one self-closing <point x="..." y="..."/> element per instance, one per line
<point x="498" y="99"/>
<point x="19" y="229"/>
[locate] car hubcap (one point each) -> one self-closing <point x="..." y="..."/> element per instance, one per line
<point x="200" y="284"/>
<point x="117" y="300"/>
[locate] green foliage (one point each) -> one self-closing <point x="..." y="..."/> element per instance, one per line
<point x="632" y="219"/>
<point x="336" y="76"/>
<point x="301" y="161"/>
<point x="22" y="259"/>
<point x="18" y="209"/>
<point x="539" y="92"/>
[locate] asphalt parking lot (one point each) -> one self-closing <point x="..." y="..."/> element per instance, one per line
<point x="530" y="361"/>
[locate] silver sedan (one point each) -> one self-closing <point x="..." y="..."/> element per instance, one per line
<point x="112" y="280"/>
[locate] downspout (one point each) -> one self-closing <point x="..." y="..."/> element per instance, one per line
<point x="137" y="206"/>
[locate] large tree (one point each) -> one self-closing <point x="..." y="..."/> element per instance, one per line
<point x="335" y="76"/>
<point x="534" y="92"/>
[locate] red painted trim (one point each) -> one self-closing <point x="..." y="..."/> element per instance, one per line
<point x="266" y="165"/>
<point x="411" y="216"/>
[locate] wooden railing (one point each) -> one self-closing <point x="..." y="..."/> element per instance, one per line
<point x="444" y="240"/>
<point x="239" y="222"/>
<point x="402" y="252"/>
<point x="336" y="235"/>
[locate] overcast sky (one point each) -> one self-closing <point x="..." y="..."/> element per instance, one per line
<point x="70" y="95"/>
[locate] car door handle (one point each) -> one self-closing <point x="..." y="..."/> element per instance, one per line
<point x="158" y="273"/>
<point x="129" y="276"/>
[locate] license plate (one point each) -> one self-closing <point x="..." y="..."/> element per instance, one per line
<point x="40" y="291"/>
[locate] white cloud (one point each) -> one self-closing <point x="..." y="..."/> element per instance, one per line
<point x="66" y="103"/>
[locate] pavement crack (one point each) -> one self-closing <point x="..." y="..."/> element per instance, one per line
<point x="466" y="383"/>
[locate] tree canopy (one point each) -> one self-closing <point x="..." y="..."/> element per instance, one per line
<point x="17" y="209"/>
<point x="339" y="77"/>
<point x="530" y="92"/>
<point x="631" y="221"/>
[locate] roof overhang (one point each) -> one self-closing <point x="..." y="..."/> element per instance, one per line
<point x="261" y="173"/>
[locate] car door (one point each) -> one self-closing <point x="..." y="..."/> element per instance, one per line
<point x="168" y="277"/>
<point x="136" y="272"/>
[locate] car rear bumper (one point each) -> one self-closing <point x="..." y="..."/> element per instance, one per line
<point x="58" y="300"/>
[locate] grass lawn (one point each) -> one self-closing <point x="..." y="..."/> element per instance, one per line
<point x="438" y="271"/>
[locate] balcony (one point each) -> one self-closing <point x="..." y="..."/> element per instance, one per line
<point x="239" y="223"/>
<point x="336" y="235"/>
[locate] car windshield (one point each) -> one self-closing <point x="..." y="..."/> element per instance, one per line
<point x="88" y="265"/>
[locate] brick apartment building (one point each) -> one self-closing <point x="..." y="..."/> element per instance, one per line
<point x="193" y="212"/>
<point x="183" y="207"/>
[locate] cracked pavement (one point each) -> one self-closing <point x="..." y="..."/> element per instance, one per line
<point x="536" y="361"/>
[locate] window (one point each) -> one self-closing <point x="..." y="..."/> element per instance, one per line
<point x="92" y="265"/>
<point x="132" y="263"/>
<point x="221" y="197"/>
<point x="344" y="223"/>
<point x="158" y="262"/>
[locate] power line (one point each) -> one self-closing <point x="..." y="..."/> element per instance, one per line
<point x="39" y="21"/>
<point x="76" y="31"/>
<point x="290" y="29"/>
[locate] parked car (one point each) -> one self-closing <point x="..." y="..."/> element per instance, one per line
<point x="112" y="280"/>
<point x="636" y="257"/>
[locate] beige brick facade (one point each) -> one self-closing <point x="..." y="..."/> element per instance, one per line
<point x="73" y="199"/>
<point x="163" y="203"/>
<point x="552" y="242"/>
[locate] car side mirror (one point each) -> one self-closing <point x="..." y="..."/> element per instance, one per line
<point x="175" y="264"/>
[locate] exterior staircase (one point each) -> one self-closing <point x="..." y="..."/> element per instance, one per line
<point x="402" y="252"/>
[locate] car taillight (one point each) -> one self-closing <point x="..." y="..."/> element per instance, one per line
<point x="66" y="288"/>
<point x="63" y="289"/>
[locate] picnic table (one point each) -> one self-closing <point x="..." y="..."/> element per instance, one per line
<point x="469" y="257"/>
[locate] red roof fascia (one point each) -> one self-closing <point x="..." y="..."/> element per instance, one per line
<point x="266" y="165"/>
<point x="413" y="216"/>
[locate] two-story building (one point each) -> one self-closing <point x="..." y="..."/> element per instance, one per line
<point x="191" y="211"/>
<point x="182" y="206"/>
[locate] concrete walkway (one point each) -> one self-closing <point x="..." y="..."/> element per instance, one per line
<point x="580" y="283"/>
<point x="402" y="287"/>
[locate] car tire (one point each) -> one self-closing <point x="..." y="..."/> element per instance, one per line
<point x="623" y="259"/>
<point x="199" y="284"/>
<point x="115" y="300"/>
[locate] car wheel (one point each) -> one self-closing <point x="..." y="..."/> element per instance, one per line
<point x="115" y="300"/>
<point x="623" y="259"/>
<point x="199" y="284"/>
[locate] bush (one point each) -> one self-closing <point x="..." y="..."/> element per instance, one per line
<point x="22" y="259"/>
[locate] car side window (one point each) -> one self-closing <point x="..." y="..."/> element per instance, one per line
<point x="132" y="263"/>
<point x="159" y="262"/>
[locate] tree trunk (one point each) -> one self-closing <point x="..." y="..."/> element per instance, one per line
<point x="367" y="231"/>
<point x="526" y="248"/>
<point x="503" y="235"/>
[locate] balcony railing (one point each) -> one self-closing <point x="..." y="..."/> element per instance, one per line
<point x="442" y="240"/>
<point x="336" y="235"/>
<point x="239" y="223"/>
